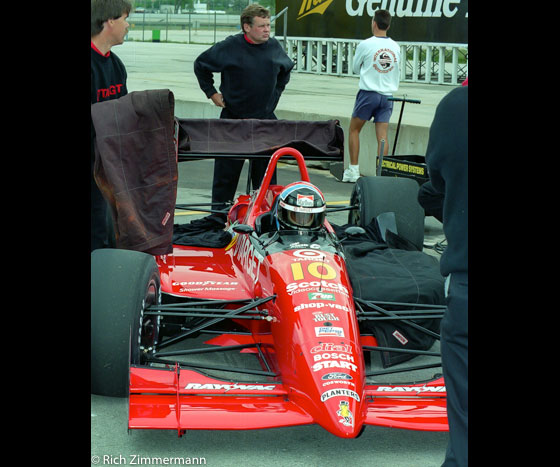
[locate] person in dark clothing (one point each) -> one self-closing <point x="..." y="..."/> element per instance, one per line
<point x="108" y="81"/>
<point x="431" y="200"/>
<point x="254" y="71"/>
<point x="447" y="161"/>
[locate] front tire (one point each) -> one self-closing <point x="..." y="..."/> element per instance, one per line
<point x="123" y="284"/>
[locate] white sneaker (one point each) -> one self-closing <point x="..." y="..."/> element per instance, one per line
<point x="350" y="175"/>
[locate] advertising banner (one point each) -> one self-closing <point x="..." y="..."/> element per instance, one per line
<point x="444" y="21"/>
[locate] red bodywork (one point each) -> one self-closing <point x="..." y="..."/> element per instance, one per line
<point x="321" y="366"/>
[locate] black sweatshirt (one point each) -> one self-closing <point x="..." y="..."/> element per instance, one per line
<point x="108" y="80"/>
<point x="447" y="161"/>
<point x="253" y="76"/>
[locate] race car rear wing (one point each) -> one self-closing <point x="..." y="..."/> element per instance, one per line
<point x="254" y="138"/>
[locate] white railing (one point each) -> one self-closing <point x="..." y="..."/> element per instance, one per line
<point x="431" y="63"/>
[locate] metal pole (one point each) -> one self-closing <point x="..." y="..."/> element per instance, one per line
<point x="381" y="157"/>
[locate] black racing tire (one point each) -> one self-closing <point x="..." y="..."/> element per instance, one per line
<point x="376" y="195"/>
<point x="123" y="284"/>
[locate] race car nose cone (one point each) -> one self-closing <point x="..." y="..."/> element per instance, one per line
<point x="344" y="417"/>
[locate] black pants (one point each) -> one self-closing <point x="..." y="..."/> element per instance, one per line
<point x="455" y="365"/>
<point x="431" y="201"/>
<point x="228" y="171"/>
<point x="98" y="218"/>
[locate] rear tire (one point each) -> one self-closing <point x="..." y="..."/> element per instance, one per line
<point x="376" y="195"/>
<point x="123" y="284"/>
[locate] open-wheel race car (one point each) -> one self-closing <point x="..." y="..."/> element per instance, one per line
<point x="269" y="330"/>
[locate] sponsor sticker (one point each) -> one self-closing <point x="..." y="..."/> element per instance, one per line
<point x="397" y="335"/>
<point x="318" y="306"/>
<point x="327" y="347"/>
<point x="339" y="393"/>
<point x="321" y="296"/>
<point x="324" y="331"/>
<point x="343" y="365"/>
<point x="230" y="387"/>
<point x="347" y="417"/>
<point x="336" y="375"/>
<point x="319" y="316"/>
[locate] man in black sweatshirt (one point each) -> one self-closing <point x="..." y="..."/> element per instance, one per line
<point x="254" y="71"/>
<point x="447" y="161"/>
<point x="108" y="81"/>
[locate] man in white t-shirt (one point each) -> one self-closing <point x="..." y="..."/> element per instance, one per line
<point x="377" y="60"/>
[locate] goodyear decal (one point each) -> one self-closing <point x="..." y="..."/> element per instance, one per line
<point x="313" y="6"/>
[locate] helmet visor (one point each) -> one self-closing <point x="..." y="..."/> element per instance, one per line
<point x="297" y="217"/>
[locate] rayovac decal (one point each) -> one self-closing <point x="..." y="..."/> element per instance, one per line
<point x="230" y="387"/>
<point x="416" y="389"/>
<point x="339" y="393"/>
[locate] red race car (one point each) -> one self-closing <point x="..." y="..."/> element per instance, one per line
<point x="267" y="331"/>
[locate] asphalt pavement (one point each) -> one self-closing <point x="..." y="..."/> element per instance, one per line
<point x="111" y="443"/>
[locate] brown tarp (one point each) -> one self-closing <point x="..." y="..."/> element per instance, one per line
<point x="322" y="140"/>
<point x="136" y="167"/>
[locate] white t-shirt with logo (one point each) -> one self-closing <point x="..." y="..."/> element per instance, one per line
<point x="377" y="61"/>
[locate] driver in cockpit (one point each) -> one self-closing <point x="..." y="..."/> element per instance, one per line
<point x="300" y="206"/>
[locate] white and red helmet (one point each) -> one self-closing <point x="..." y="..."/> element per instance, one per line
<point x="301" y="206"/>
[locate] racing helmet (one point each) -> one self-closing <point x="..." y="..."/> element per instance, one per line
<point x="301" y="206"/>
